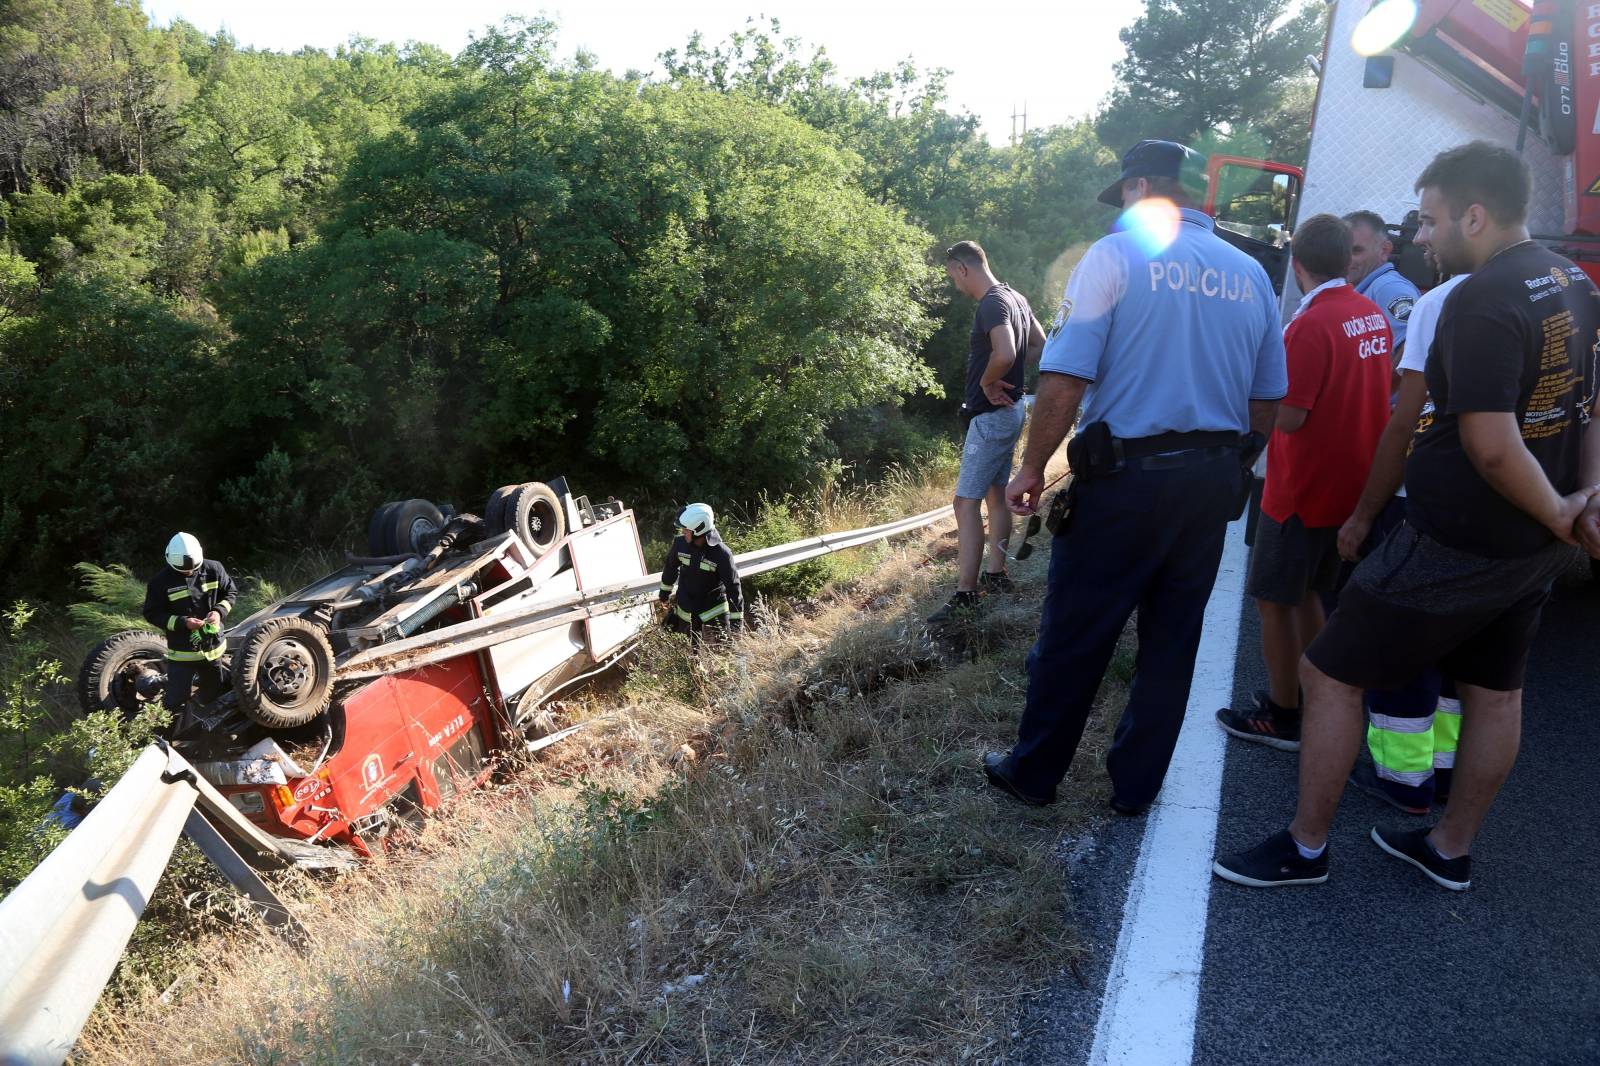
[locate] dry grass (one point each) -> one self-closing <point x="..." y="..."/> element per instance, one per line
<point x="784" y="853"/>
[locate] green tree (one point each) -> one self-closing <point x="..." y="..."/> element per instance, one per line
<point x="1216" y="72"/>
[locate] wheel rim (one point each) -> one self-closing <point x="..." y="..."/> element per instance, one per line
<point x="288" y="670"/>
<point x="420" y="529"/>
<point x="541" y="522"/>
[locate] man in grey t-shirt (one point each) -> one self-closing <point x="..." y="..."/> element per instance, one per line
<point x="1004" y="335"/>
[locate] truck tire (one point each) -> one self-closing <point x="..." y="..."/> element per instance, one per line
<point x="378" y="544"/>
<point x="283" y="672"/>
<point x="534" y="512"/>
<point x="414" y="527"/>
<point x="494" y="511"/>
<point x="109" y="675"/>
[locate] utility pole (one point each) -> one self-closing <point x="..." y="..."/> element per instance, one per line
<point x="1016" y="115"/>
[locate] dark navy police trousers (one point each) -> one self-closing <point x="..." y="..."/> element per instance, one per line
<point x="1148" y="538"/>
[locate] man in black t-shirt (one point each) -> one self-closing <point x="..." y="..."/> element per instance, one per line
<point x="1500" y="483"/>
<point x="1004" y="336"/>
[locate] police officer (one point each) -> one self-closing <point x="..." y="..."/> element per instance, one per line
<point x="702" y="569"/>
<point x="188" y="601"/>
<point x="1376" y="278"/>
<point x="1170" y="338"/>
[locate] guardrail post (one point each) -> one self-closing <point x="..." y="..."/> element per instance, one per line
<point x="229" y="863"/>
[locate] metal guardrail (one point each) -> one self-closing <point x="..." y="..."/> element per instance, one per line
<point x="63" y="930"/>
<point x="480" y="633"/>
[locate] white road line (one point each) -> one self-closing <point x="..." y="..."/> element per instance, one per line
<point x="1153" y="987"/>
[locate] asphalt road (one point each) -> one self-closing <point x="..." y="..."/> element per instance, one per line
<point x="1379" y="965"/>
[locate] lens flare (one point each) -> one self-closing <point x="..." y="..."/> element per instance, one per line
<point x="1153" y="222"/>
<point x="1383" y="25"/>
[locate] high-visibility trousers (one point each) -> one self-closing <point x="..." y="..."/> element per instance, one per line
<point x="1412" y="734"/>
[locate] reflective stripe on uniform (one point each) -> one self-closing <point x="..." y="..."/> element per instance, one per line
<point x="172" y="621"/>
<point x="739" y="615"/>
<point x="196" y="656"/>
<point x="1391" y="724"/>
<point x="178" y="594"/>
<point x="1446" y="733"/>
<point x="707" y="564"/>
<point x="714" y="612"/>
<point x="681" y="613"/>
<point x="666" y="586"/>
<point x="1414" y="778"/>
<point x="1403" y="755"/>
<point x="223" y="606"/>
<point x="684" y="559"/>
<point x="210" y="586"/>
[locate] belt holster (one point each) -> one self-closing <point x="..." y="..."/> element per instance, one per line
<point x="1093" y="452"/>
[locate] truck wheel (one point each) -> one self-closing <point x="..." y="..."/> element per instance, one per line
<point x="414" y="527"/>
<point x="535" y="514"/>
<point x="283" y="672"/>
<point x="125" y="671"/>
<point x="494" y="511"/>
<point x="378" y="543"/>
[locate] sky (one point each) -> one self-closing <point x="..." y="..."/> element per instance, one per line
<point x="1054" y="58"/>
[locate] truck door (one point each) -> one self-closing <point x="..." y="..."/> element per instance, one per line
<point x="1254" y="203"/>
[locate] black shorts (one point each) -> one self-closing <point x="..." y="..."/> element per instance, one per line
<point x="1288" y="561"/>
<point x="1416" y="603"/>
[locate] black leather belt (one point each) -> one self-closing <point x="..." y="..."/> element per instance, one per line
<point x="1161" y="443"/>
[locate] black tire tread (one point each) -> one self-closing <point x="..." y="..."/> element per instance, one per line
<point x="399" y="524"/>
<point x="516" y="513"/>
<point x="253" y="700"/>
<point x="494" y="511"/>
<point x="378" y="543"/>
<point x="109" y="656"/>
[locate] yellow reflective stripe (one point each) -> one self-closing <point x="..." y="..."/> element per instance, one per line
<point x="684" y="559"/>
<point x="736" y="614"/>
<point x="224" y="606"/>
<point x="177" y="594"/>
<point x="707" y="564"/>
<point x="1400" y="752"/>
<point x="681" y="613"/>
<point x="172" y="621"/>
<point x="211" y="586"/>
<point x="714" y="612"/>
<point x="666" y="586"/>
<point x="196" y="656"/>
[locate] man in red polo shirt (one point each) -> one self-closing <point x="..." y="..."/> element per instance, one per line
<point x="1339" y="348"/>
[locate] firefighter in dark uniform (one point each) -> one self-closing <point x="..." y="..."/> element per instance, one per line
<point x="701" y="567"/>
<point x="188" y="601"/>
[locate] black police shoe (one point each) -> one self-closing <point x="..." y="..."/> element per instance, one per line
<point x="1264" y="723"/>
<point x="997" y="770"/>
<point x="1274" y="863"/>
<point x="1413" y="847"/>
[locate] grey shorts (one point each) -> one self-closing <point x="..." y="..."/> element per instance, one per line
<point x="1288" y="561"/>
<point x="986" y="456"/>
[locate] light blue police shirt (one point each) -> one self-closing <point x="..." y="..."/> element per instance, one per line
<point x="1173" y="339"/>
<point x="1389" y="289"/>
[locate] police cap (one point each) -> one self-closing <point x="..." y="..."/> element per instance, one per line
<point x="1157" y="159"/>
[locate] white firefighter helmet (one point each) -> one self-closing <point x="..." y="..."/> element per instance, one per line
<point x="698" y="519"/>
<point x="184" y="554"/>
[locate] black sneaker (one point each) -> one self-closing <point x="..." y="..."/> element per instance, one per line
<point x="962" y="606"/>
<point x="1265" y="723"/>
<point x="1413" y="847"/>
<point x="1365" y="777"/>
<point x="1273" y="863"/>
<point x="1000" y="582"/>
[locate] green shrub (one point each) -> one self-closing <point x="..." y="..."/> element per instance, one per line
<point x="779" y="522"/>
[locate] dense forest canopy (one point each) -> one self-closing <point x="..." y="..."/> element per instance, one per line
<point x="252" y="294"/>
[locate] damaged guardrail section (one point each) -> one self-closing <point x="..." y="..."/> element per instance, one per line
<point x="64" y="928"/>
